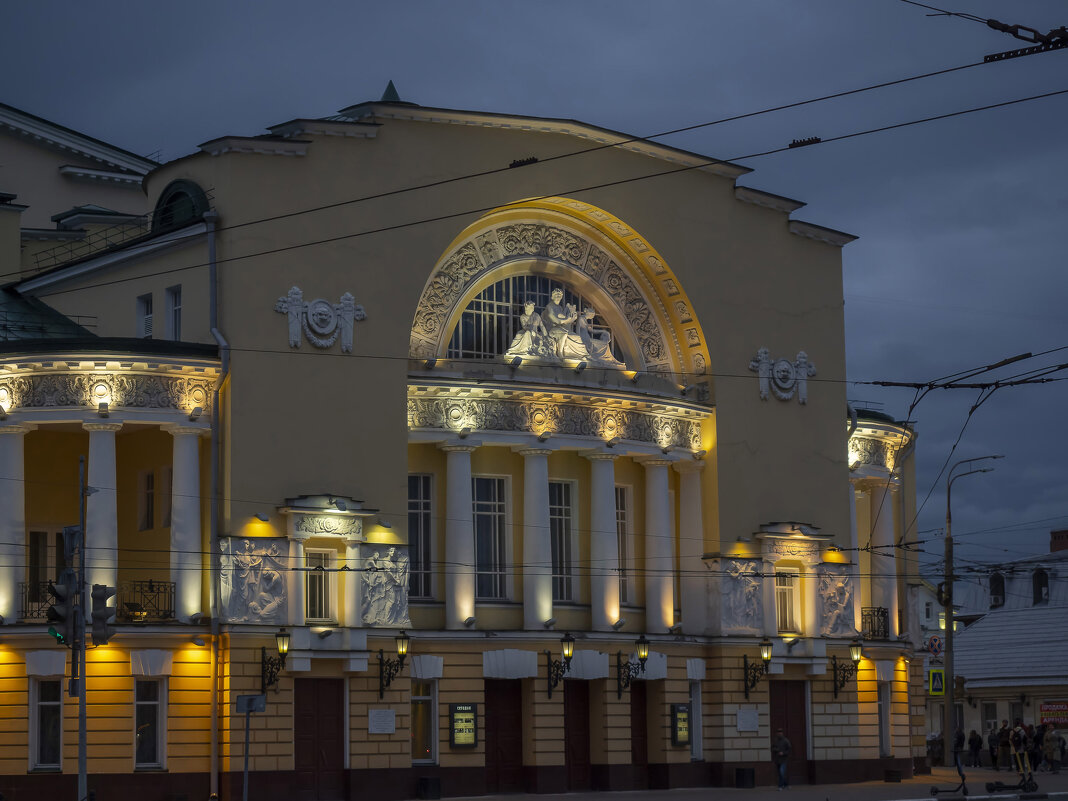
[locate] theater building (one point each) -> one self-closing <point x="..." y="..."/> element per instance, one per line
<point x="564" y="407"/>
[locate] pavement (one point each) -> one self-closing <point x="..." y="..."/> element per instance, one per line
<point x="946" y="779"/>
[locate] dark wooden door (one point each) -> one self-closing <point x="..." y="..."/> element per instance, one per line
<point x="504" y="736"/>
<point x="639" y="735"/>
<point x="790" y="713"/>
<point x="577" y="734"/>
<point x="319" y="739"/>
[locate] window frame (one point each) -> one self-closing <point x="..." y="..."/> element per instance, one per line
<point x="696" y="723"/>
<point x="431" y="701"/>
<point x="173" y="299"/>
<point x="35" y="765"/>
<point x="146" y="500"/>
<point x="1000" y="596"/>
<point x="161" y="722"/>
<point x="625" y="544"/>
<point x="502" y="571"/>
<point x="1040" y="582"/>
<point x="421" y="535"/>
<point x="328" y="576"/>
<point x="794" y="590"/>
<point x="144" y="316"/>
<point x="565" y="587"/>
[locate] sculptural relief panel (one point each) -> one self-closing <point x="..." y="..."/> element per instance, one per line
<point x="384" y="585"/>
<point x="132" y="390"/>
<point x="742" y="593"/>
<point x="836" y="602"/>
<point x="253" y="579"/>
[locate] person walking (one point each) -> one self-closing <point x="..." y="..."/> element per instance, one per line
<point x="1051" y="748"/>
<point x="958" y="751"/>
<point x="780" y="754"/>
<point x="1005" y="745"/>
<point x="992" y="744"/>
<point x="975" y="745"/>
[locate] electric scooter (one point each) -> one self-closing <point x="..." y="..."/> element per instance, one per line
<point x="961" y="788"/>
<point x="1026" y="784"/>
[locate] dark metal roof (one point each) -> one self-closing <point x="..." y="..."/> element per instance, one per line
<point x="24" y="319"/>
<point x="124" y="347"/>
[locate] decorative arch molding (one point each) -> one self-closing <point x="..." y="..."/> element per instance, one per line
<point x="583" y="245"/>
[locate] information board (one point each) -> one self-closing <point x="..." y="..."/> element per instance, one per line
<point x="1054" y="713"/>
<point x="680" y="724"/>
<point x="381" y="721"/>
<point x="463" y="725"/>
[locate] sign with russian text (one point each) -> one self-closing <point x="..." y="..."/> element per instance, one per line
<point x="463" y="725"/>
<point x="936" y="681"/>
<point x="680" y="724"/>
<point x="1053" y="713"/>
<point x="381" y="721"/>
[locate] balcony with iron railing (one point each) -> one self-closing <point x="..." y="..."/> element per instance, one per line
<point x="875" y="622"/>
<point x="148" y="601"/>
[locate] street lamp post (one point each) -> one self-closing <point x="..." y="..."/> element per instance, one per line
<point x="949" y="719"/>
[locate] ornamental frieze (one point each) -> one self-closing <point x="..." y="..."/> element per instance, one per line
<point x="139" y="391"/>
<point x="455" y="414"/>
<point x="336" y="525"/>
<point x="874" y="452"/>
<point x="798" y="549"/>
<point x="457" y="273"/>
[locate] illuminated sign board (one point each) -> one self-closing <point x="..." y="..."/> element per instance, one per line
<point x="680" y="724"/>
<point x="463" y="725"/>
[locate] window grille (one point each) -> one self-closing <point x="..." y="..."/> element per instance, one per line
<point x="490" y="555"/>
<point x="419" y="535"/>
<point x="560" y="539"/>
<point x="624" y="543"/>
<point x="317" y="585"/>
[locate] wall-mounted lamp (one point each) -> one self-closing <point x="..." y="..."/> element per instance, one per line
<point x="470" y="622"/>
<point x="844" y="672"/>
<point x="667" y="449"/>
<point x="384" y="523"/>
<point x="627" y="671"/>
<point x="271" y="666"/>
<point x="580" y="367"/>
<point x="619" y="624"/>
<point x="549" y="623"/>
<point x="518" y="360"/>
<point x="194" y="415"/>
<point x="698" y="455"/>
<point x="339" y="504"/>
<point x="389" y="668"/>
<point x="102" y="408"/>
<point x="464" y="433"/>
<point x="689" y="388"/>
<point x="262" y="517"/>
<point x="558" y="668"/>
<point x="544" y="435"/>
<point x="325" y="633"/>
<point x="634" y="378"/>
<point x="752" y="673"/>
<point x="198" y="641"/>
<point x="429" y="363"/>
<point x="676" y="629"/>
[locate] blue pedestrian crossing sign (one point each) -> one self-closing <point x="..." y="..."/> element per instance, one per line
<point x="936" y="681"/>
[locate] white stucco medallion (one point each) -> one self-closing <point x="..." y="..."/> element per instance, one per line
<point x="782" y="376"/>
<point x="322" y="322"/>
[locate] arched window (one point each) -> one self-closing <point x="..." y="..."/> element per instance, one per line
<point x="491" y="320"/>
<point x="181" y="203"/>
<point x="1039" y="587"/>
<point x="997" y="590"/>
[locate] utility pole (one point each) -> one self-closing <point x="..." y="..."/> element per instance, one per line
<point x="79" y="622"/>
<point x="949" y="720"/>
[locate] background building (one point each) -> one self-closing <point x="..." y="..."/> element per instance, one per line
<point x="328" y="409"/>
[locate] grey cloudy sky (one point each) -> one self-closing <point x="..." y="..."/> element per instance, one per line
<point x="960" y="260"/>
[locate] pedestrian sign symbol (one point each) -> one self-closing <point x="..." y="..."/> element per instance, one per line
<point x="936" y="681"/>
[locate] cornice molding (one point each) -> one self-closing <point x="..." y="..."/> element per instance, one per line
<point x="254" y="144"/>
<point x="828" y="236"/>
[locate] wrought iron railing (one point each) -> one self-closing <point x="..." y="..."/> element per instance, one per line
<point x="33" y="600"/>
<point x="145" y="601"/>
<point x="875" y="622"/>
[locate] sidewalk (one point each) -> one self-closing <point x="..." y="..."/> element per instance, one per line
<point x="908" y="789"/>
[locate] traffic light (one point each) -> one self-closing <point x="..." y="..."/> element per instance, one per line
<point x="61" y="613"/>
<point x="102" y="614"/>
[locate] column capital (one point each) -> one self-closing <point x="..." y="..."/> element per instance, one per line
<point x="534" y="451"/>
<point x="16" y="428"/>
<point x="459" y="447"/>
<point x="179" y="429"/>
<point x="690" y="466"/>
<point x="101" y="426"/>
<point x="599" y="456"/>
<point x="654" y="461"/>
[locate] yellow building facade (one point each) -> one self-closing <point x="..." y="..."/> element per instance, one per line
<point x="565" y="407"/>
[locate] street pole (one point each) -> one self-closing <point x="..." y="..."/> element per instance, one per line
<point x="79" y="628"/>
<point x="949" y="719"/>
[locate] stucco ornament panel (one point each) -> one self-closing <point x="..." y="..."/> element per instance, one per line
<point x="836" y="602"/>
<point x="791" y="549"/>
<point x="384" y="579"/>
<point x="782" y="377"/>
<point x="132" y="390"/>
<point x="874" y="452"/>
<point x="322" y="322"/>
<point x="509" y="241"/>
<point x="742" y="589"/>
<point x="338" y="525"/>
<point x="558" y="418"/>
<point x="253" y="579"/>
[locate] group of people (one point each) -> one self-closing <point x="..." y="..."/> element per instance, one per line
<point x="1019" y="747"/>
<point x="561" y="332"/>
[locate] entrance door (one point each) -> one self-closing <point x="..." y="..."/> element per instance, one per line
<point x="504" y="736"/>
<point x="639" y="735"/>
<point x="577" y="734"/>
<point x="319" y="739"/>
<point x="789" y="712"/>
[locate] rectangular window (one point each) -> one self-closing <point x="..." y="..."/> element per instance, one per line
<point x="424" y="722"/>
<point x="47" y="717"/>
<point x="696" y="748"/>
<point x="490" y="556"/>
<point x="883" y="704"/>
<point x="318" y="585"/>
<point x="45" y="562"/>
<point x="144" y="316"/>
<point x="174" y="312"/>
<point x="148" y="723"/>
<point x="166" y="494"/>
<point x="560" y="539"/>
<point x="990" y="716"/>
<point x="928" y="609"/>
<point x="787" y="600"/>
<point x="623" y="538"/>
<point x="146" y="500"/>
<point x="419" y="536"/>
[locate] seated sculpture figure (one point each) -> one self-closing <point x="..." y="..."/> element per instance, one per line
<point x="599" y="348"/>
<point x="561" y="333"/>
<point x="532" y="341"/>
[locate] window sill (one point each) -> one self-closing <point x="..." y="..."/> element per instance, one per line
<point x="46" y="769"/>
<point x="149" y="769"/>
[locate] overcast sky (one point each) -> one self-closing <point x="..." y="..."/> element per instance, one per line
<point x="961" y="256"/>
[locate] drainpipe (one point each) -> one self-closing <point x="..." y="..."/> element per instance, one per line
<point x="211" y="219"/>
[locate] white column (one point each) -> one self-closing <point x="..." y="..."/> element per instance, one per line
<point x="693" y="583"/>
<point x="854" y="555"/>
<point x="604" y="543"/>
<point x="459" y="536"/>
<point x="659" y="549"/>
<point x="537" y="547"/>
<point x="101" y="512"/>
<point x="883" y="554"/>
<point x="186" y="560"/>
<point x="298" y="584"/>
<point x="12" y="517"/>
<point x="352" y="583"/>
